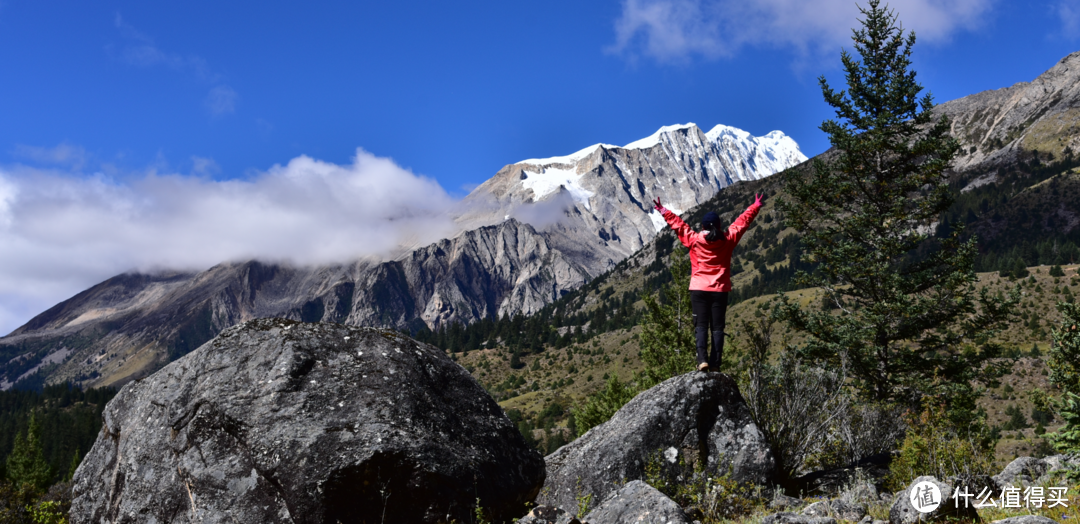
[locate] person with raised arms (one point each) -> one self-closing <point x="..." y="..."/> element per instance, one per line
<point x="710" y="275"/>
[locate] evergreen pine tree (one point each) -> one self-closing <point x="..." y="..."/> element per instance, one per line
<point x="75" y="460"/>
<point x="668" y="347"/>
<point x="26" y="464"/>
<point x="1064" y="363"/>
<point x="667" y="343"/>
<point x="907" y="306"/>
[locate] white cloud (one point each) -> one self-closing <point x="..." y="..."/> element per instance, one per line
<point x="202" y="166"/>
<point x="61" y="233"/>
<point x="221" y="100"/>
<point x="64" y="154"/>
<point x="1069" y="11"/>
<point x="140" y="50"/>
<point x="676" y="30"/>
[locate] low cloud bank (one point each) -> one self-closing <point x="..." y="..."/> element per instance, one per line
<point x="61" y="233"/>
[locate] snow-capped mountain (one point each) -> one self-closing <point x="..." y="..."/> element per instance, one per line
<point x="599" y="199"/>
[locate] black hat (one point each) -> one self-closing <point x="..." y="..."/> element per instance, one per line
<point x="711" y="219"/>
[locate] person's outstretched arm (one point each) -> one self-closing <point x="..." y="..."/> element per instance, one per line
<point x="681" y="229"/>
<point x="735" y="232"/>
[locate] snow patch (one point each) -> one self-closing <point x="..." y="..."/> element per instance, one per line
<point x="653" y="139"/>
<point x="720" y="131"/>
<point x="657" y="219"/>
<point x="568" y="159"/>
<point x="550" y="179"/>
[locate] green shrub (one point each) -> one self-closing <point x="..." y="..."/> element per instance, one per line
<point x="600" y="406"/>
<point x="1016" y="418"/>
<point x="719" y="497"/>
<point x="933" y="447"/>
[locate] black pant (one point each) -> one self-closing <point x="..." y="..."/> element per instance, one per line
<point x="710" y="308"/>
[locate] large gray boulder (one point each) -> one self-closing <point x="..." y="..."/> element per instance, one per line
<point x="637" y="502"/>
<point x="1024" y="471"/>
<point x="686" y="420"/>
<point x="280" y="421"/>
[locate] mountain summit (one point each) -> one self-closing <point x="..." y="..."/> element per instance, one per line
<point x="601" y="196"/>
<point x="535" y="231"/>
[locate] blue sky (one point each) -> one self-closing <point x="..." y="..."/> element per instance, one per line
<point x="136" y="135"/>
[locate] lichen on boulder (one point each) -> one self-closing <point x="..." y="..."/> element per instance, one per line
<point x="280" y="421"/>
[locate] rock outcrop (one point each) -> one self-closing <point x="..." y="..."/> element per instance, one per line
<point x="279" y="421"/>
<point x="1023" y="471"/>
<point x="696" y="418"/>
<point x="637" y="502"/>
<point x="1043" y="115"/>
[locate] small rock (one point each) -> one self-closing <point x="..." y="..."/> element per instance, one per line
<point x="781" y="501"/>
<point x="1025" y="519"/>
<point x="792" y="518"/>
<point x="836" y="508"/>
<point x="845" y="510"/>
<point x="545" y="515"/>
<point x="637" y="502"/>
<point x="817" y="509"/>
<point x="694" y="513"/>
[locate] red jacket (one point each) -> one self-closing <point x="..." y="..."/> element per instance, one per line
<point x="710" y="262"/>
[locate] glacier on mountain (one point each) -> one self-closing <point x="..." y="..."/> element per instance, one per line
<point x="550" y="179"/>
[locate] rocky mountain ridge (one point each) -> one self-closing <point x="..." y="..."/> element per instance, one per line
<point x="601" y="195"/>
<point x="1041" y="117"/>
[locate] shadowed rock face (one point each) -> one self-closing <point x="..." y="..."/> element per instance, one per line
<point x="696" y="417"/>
<point x="278" y="421"/>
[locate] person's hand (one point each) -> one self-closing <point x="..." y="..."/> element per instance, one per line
<point x="758" y="198"/>
<point x="657" y="205"/>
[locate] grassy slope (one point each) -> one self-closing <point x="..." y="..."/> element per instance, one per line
<point x="565" y="376"/>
